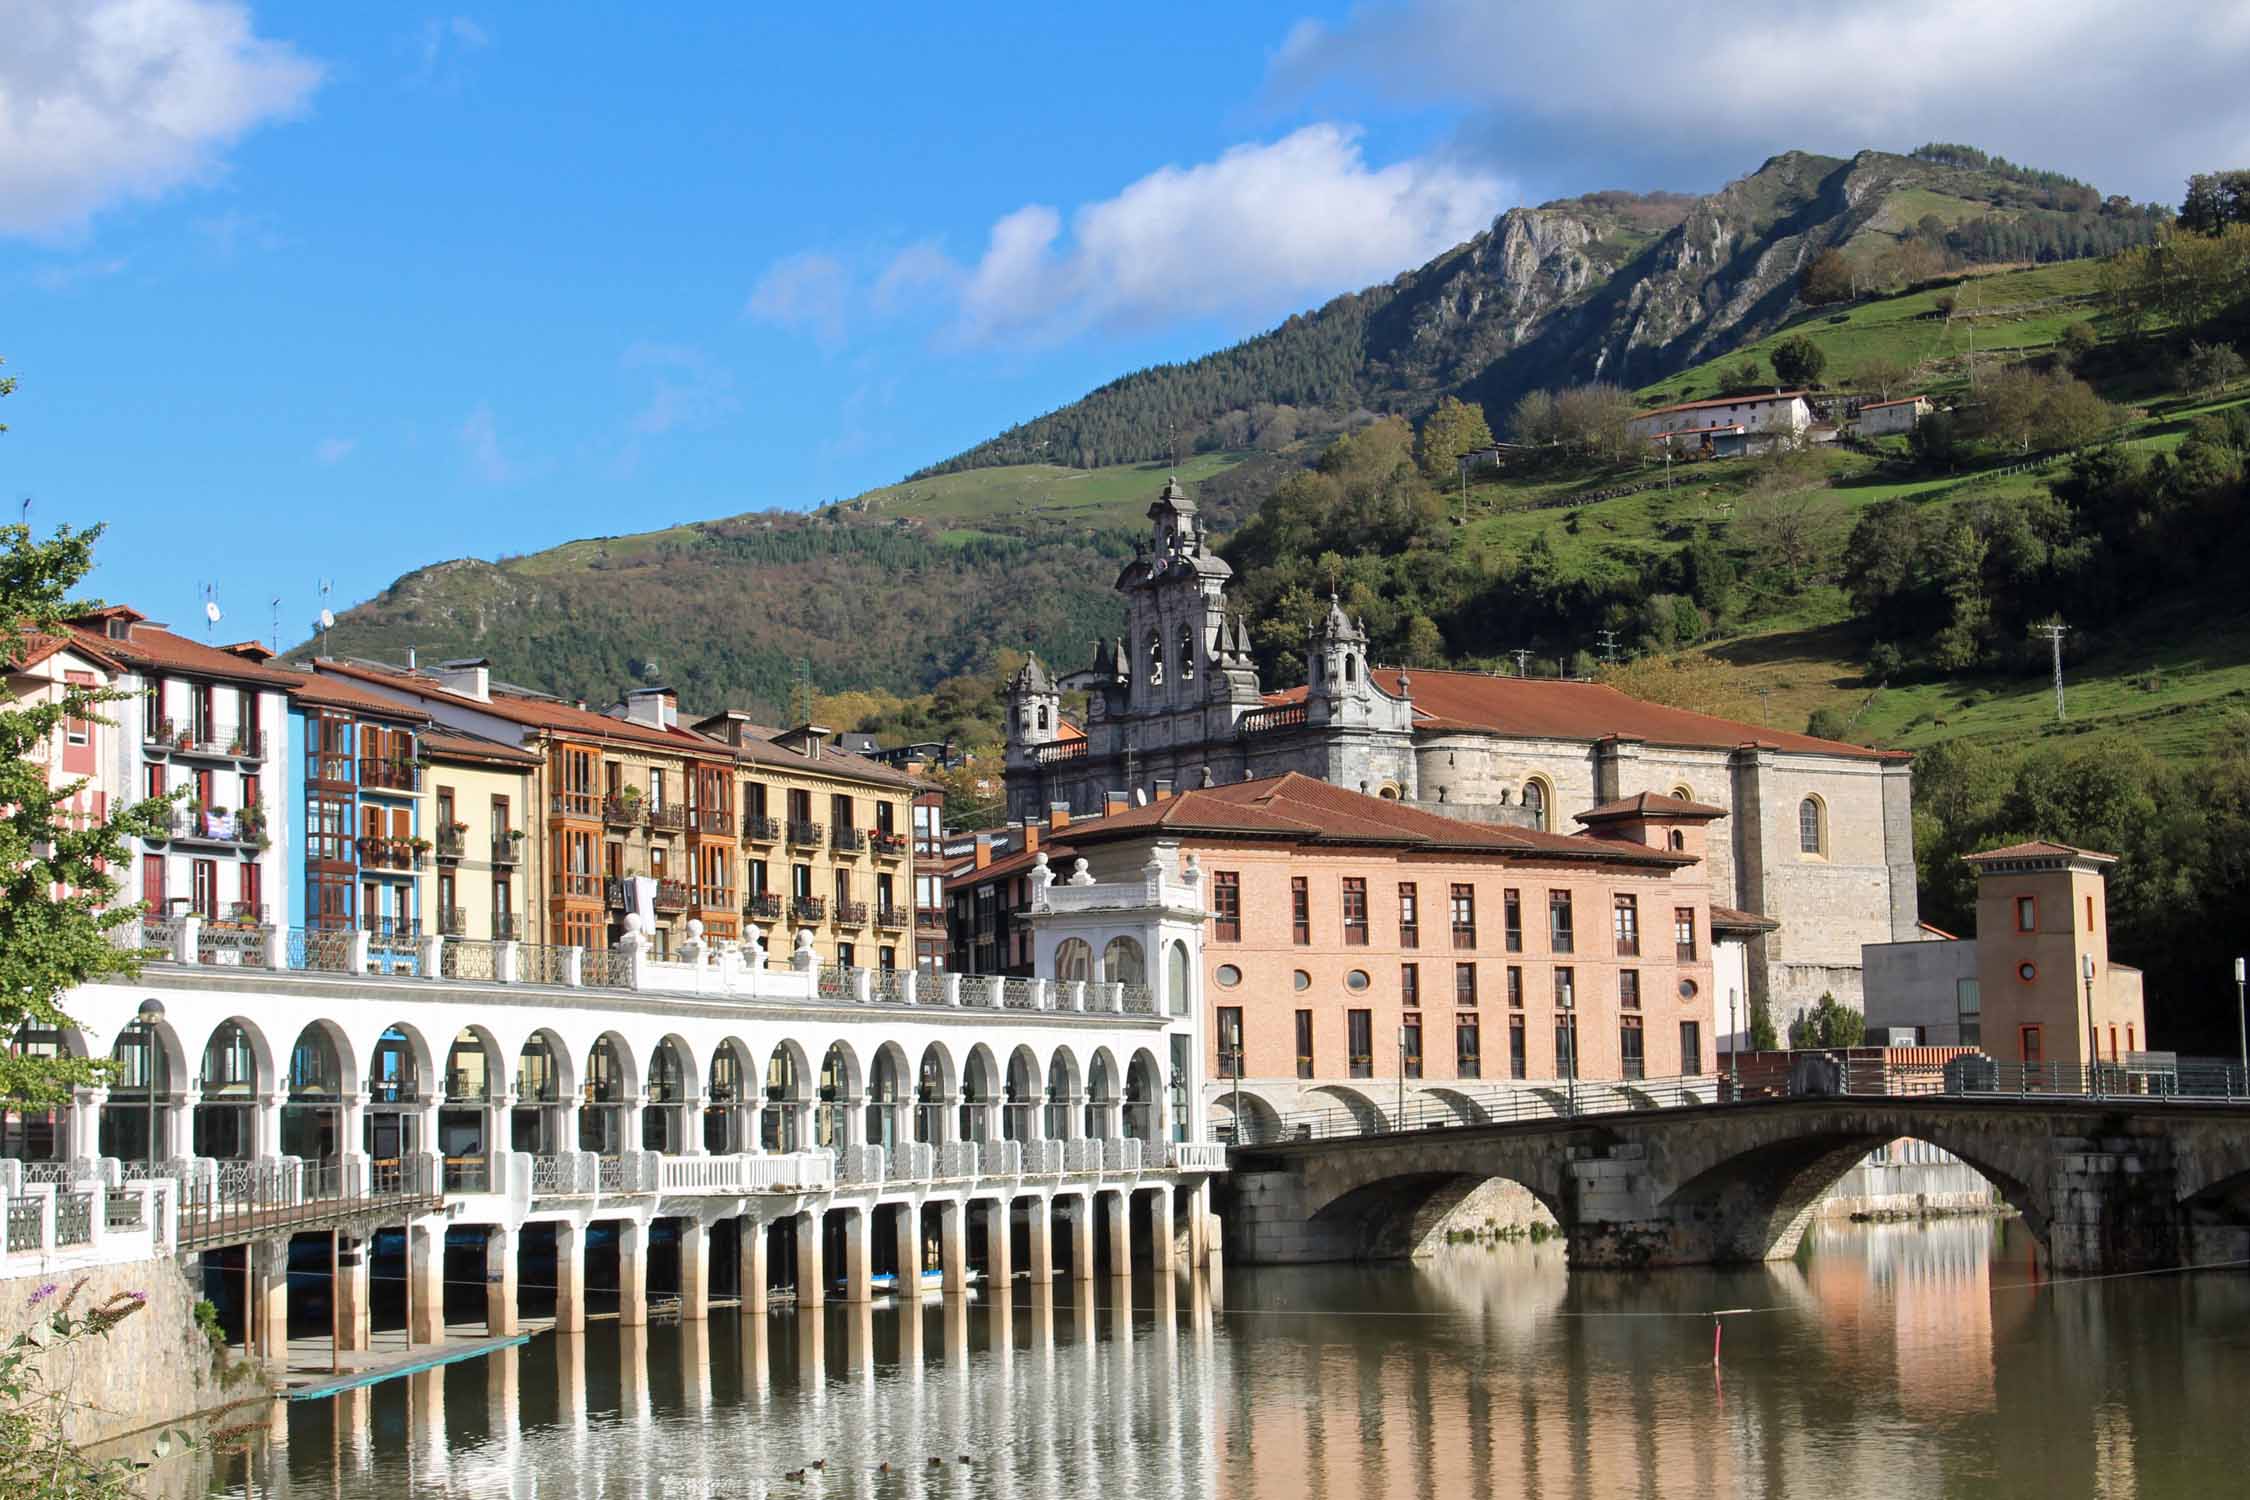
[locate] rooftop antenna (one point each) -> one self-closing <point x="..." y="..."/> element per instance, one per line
<point x="1764" y="693"/>
<point x="2054" y="631"/>
<point x="327" y="617"/>
<point x="1609" y="646"/>
<point x="276" y="602"/>
<point x="211" y="615"/>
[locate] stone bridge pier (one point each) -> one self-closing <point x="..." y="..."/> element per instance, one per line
<point x="2133" y="1186"/>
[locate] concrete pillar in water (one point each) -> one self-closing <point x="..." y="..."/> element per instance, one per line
<point x="1160" y="1231"/>
<point x="632" y="1273"/>
<point x="1120" y="1233"/>
<point x="266" y="1319"/>
<point x="1198" y="1227"/>
<point x="752" y="1256"/>
<point x="999" y="1246"/>
<point x="570" y="1278"/>
<point x="1039" y="1238"/>
<point x="810" y="1291"/>
<point x="352" y="1311"/>
<point x="953" y="1246"/>
<point x="906" y="1226"/>
<point x="425" y="1281"/>
<point x="500" y="1244"/>
<point x="1082" y="1237"/>
<point x="859" y="1274"/>
<point x="695" y="1269"/>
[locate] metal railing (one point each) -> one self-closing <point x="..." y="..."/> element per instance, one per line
<point x="27" y="1223"/>
<point x="468" y="1174"/>
<point x="74" y="1219"/>
<point x="804" y="833"/>
<point x="1139" y="1000"/>
<point x="760" y="830"/>
<point x="847" y="840"/>
<point x="851" y="914"/>
<point x="540" y="963"/>
<point x="835" y="982"/>
<point x="261" y="1200"/>
<point x="1019" y="994"/>
<point x="507" y="846"/>
<point x="465" y="958"/>
<point x="607" y="966"/>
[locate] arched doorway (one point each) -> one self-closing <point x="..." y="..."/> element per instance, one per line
<point x="1062" y="1095"/>
<point x="312" y="1110"/>
<point x="664" y="1125"/>
<point x="137" y="1118"/>
<point x="1143" y="1085"/>
<point x="226" y="1125"/>
<point x="1176" y="985"/>
<point x="601" y="1111"/>
<point x="464" y="1116"/>
<point x="1019" y="1105"/>
<point x="1101" y="1096"/>
<point x="37" y="1137"/>
<point x="980" y="1090"/>
<point x="839" y="1097"/>
<point x="726" y="1116"/>
<point x="933" y="1093"/>
<point x="392" y="1127"/>
<point x="886" y="1093"/>
<point x="542" y="1088"/>
<point x="782" y="1125"/>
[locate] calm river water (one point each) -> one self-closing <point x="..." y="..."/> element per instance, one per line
<point x="1912" y="1360"/>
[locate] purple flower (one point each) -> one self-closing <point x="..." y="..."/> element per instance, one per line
<point x="138" y="1296"/>
<point x="44" y="1293"/>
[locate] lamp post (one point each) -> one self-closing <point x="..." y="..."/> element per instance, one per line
<point x="2241" y="1025"/>
<point x="2093" y="1041"/>
<point x="1398" y="1120"/>
<point x="1734" y="1043"/>
<point x="151" y="1012"/>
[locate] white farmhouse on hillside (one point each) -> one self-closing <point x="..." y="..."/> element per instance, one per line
<point x="1878" y="418"/>
<point x="1739" y="418"/>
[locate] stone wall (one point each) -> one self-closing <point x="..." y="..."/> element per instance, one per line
<point x="1910" y="1188"/>
<point x="156" y="1367"/>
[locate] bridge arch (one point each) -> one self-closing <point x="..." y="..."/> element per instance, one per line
<point x="1258" y="1121"/>
<point x="1365" y="1112"/>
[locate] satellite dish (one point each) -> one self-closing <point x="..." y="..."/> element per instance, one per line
<point x="211" y="611"/>
<point x="327" y="619"/>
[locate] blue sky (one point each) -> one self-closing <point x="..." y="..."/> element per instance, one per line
<point x="299" y="292"/>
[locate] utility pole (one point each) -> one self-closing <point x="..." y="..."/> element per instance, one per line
<point x="2054" y="631"/>
<point x="1523" y="661"/>
<point x="2241" y="1025"/>
<point x="1763" y="694"/>
<point x="1609" y="646"/>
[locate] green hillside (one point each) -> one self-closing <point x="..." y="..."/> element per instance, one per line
<point x="1023" y="499"/>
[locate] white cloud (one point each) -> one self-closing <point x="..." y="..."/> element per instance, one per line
<point x="107" y="100"/>
<point x="235" y="230"/>
<point x="333" y="450"/>
<point x="690" y="391"/>
<point x="480" y="438"/>
<point x="2131" y="100"/>
<point x="807" y="291"/>
<point x="1250" y="235"/>
<point x="441" y="45"/>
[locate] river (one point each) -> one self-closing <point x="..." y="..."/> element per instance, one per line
<point x="1886" y="1360"/>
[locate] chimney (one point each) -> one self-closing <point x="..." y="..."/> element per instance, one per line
<point x="1058" y="815"/>
<point x="410" y="658"/>
<point x="1030" y="836"/>
<point x="656" y="707"/>
<point x="984" y="850"/>
<point x="471" y="677"/>
<point x="1163" y="788"/>
<point x="1114" y="803"/>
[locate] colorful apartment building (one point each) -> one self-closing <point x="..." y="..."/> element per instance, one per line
<point x="212" y="721"/>
<point x="84" y="755"/>
<point x="366" y="847"/>
<point x="486" y="873"/>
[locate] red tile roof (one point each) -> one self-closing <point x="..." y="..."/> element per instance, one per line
<point x="1551" y="708"/>
<point x="1703" y="405"/>
<point x="39" y="646"/>
<point x="1879" y="405"/>
<point x="1299" y="809"/>
<point x="334" y="692"/>
<point x="460" y="744"/>
<point x="548" y="714"/>
<point x="1729" y="919"/>
<point x="1650" y="805"/>
<point x="2039" y="849"/>
<point x="153" y="648"/>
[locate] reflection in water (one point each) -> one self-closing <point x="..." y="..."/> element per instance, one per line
<point x="1891" y="1360"/>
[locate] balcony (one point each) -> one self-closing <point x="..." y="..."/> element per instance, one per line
<point x="887" y="915"/>
<point x="671" y="895"/>
<point x="452" y="921"/>
<point x="851" y="913"/>
<point x="403" y="856"/>
<point x="667" y="819"/>
<point x="613" y="894"/>
<point x="391" y="929"/>
<point x="888" y="845"/>
<point x="808" y="909"/>
<point x="330" y="767"/>
<point x="714" y="897"/>
<point x="763" y="907"/>
<point x="622" y="812"/>
<point x="390" y="775"/>
<point x="205" y="740"/>
<point x="573" y="805"/>
<point x="805" y="834"/>
<point x="215" y="825"/>
<point x="505" y="927"/>
<point x="245" y="914"/>
<point x="848" y="840"/>
<point x="716" y="821"/>
<point x="507" y="846"/>
<point x="453" y="842"/>
<point x="578" y="885"/>
<point x="760" y="830"/>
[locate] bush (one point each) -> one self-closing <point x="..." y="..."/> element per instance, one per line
<point x="1828" y="1024"/>
<point x="2076" y="342"/>
<point x="1798" y="361"/>
<point x="1884" y="661"/>
<point x="1827" y="724"/>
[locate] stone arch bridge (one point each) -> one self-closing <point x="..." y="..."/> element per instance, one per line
<point x="2106" y="1185"/>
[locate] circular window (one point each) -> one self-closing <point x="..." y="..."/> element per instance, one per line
<point x="1301" y="980"/>
<point x="2027" y="972"/>
<point x="1687" y="989"/>
<point x="1228" y="976"/>
<point x="1357" y="980"/>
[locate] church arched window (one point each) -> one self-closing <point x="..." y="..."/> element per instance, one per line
<point x="1351" y="669"/>
<point x="1536" y="797"/>
<point x="1155" y="659"/>
<point x="1042" y="718"/>
<point x="1187" y="653"/>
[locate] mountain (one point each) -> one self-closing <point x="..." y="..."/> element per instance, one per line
<point x="1013" y="544"/>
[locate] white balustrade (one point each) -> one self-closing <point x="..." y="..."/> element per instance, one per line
<point x="913" y="1161"/>
<point x="1199" y="1156"/>
<point x="1082" y="1155"/>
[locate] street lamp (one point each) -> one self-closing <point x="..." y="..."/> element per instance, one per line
<point x="2242" y="1026"/>
<point x="2093" y="1039"/>
<point x="1734" y="1044"/>
<point x="151" y="1012"/>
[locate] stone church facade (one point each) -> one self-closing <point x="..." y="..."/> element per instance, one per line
<point x="1818" y="836"/>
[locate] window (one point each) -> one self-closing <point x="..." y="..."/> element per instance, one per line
<point x="1409" y="916"/>
<point x="845" y="953"/>
<point x="1410" y="1044"/>
<point x="2089" y="913"/>
<point x="1511" y="919"/>
<point x="800" y="882"/>
<point x="1468" y="1048"/>
<point x="1968" y="1004"/>
<point x="1630" y="1057"/>
<point x="1464" y="905"/>
<point x="1304" y="1044"/>
<point x="78" y="731"/>
<point x="1226" y="975"/>
<point x="1230" y="1041"/>
<point x="1566" y="1046"/>
<point x="1628" y="989"/>
<point x="1625" y="918"/>
<point x="1226" y="906"/>
<point x="2027" y="913"/>
<point x="1812" y="827"/>
<point x="1518" y="1062"/>
<point x="1683" y="933"/>
<point x="1566" y="988"/>
<point x="1357" y="981"/>
<point x="1561" y="934"/>
<point x="2033" y="1047"/>
<point x="1359" y="1043"/>
<point x="1465" y="984"/>
<point x="1515" y="986"/>
<point x="1300" y="980"/>
<point x="1535" y="800"/>
<point x="1355" y="912"/>
<point x="1691" y="1048"/>
<point x="1677" y="841"/>
<point x="1410" y="984"/>
<point x="840" y="813"/>
<point x="1300" y="911"/>
<point x="886" y="958"/>
<point x="154" y="787"/>
<point x="205" y="901"/>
